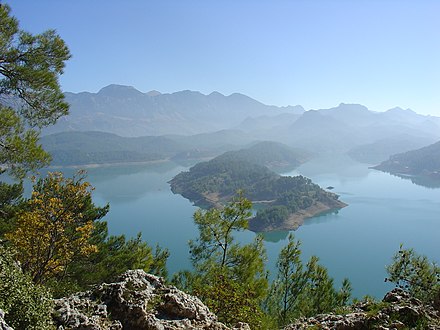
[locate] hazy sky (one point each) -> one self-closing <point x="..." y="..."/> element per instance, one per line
<point x="380" y="53"/>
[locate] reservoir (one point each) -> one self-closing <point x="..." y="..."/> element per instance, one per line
<point x="356" y="242"/>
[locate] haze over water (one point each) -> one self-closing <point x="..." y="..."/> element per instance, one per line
<point x="356" y="242"/>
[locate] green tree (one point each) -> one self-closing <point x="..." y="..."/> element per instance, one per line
<point x="26" y="305"/>
<point x="114" y="256"/>
<point x="11" y="202"/>
<point x="415" y="274"/>
<point x="302" y="290"/>
<point x="230" y="278"/>
<point x="30" y="95"/>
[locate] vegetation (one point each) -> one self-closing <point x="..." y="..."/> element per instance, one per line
<point x="270" y="154"/>
<point x="30" y="95"/>
<point x="60" y="241"/>
<point x="424" y="161"/>
<point x="55" y="242"/>
<point x="26" y="305"/>
<point x="55" y="228"/>
<point x="302" y="290"/>
<point x="80" y="148"/>
<point x="228" y="277"/>
<point x="415" y="274"/>
<point x="231" y="280"/>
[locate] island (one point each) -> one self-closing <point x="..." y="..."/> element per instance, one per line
<point x="283" y="202"/>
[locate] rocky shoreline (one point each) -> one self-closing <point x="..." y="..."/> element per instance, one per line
<point x="295" y="220"/>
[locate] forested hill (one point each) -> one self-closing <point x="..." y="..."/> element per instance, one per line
<point x="81" y="148"/>
<point x="287" y="200"/>
<point x="424" y="161"/>
<point x="273" y="155"/>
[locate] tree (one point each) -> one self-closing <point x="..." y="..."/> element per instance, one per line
<point x="56" y="228"/>
<point x="114" y="256"/>
<point x="415" y="274"/>
<point x="230" y="278"/>
<point x="302" y="290"/>
<point x="11" y="202"/>
<point x="30" y="95"/>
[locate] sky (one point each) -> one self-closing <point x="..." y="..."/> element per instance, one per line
<point x="316" y="53"/>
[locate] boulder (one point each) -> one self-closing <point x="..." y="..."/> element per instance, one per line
<point x="137" y="300"/>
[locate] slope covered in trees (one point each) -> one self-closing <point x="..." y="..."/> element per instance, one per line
<point x="81" y="148"/>
<point x="420" y="162"/>
<point x="287" y="200"/>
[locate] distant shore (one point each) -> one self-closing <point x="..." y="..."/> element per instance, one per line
<point x="96" y="165"/>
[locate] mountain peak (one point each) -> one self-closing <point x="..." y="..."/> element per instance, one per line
<point x="154" y="93"/>
<point x="399" y="109"/>
<point x="216" y="94"/>
<point x="115" y="90"/>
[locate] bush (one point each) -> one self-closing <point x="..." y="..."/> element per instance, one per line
<point x="26" y="305"/>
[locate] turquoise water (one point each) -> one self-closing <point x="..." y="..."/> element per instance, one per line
<point x="356" y="242"/>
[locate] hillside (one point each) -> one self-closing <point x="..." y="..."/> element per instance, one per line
<point x="82" y="148"/>
<point x="420" y="162"/>
<point x="287" y="201"/>
<point x="271" y="154"/>
<point x="378" y="151"/>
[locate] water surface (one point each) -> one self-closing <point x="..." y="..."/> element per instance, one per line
<point x="356" y="242"/>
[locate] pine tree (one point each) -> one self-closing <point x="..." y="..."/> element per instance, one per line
<point x="30" y="95"/>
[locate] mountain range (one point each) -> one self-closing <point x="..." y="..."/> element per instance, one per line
<point x="230" y="122"/>
<point x="125" y="111"/>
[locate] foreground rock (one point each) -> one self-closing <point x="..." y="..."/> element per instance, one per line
<point x="396" y="311"/>
<point x="136" y="301"/>
<point x="3" y="324"/>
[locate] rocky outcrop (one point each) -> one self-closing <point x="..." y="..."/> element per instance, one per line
<point x="397" y="310"/>
<point x="137" y="300"/>
<point x="3" y="324"/>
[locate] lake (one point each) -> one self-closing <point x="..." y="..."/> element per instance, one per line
<point x="356" y="242"/>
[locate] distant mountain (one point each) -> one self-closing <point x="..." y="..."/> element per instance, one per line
<point x="125" y="111"/>
<point x="230" y="122"/>
<point x="348" y="126"/>
<point x="83" y="148"/>
<point x="378" y="151"/>
<point x="422" y="162"/>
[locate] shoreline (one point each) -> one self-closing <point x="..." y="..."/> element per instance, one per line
<point x="295" y="220"/>
<point x="97" y="165"/>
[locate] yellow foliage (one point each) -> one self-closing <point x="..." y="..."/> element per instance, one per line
<point x="54" y="230"/>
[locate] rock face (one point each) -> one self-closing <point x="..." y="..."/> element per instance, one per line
<point x="136" y="301"/>
<point x="3" y="324"/>
<point x="397" y="310"/>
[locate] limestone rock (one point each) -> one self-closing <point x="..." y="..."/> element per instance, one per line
<point x="3" y="324"/>
<point x="398" y="310"/>
<point x="137" y="300"/>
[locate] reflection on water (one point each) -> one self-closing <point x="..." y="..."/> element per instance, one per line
<point x="423" y="181"/>
<point x="275" y="236"/>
